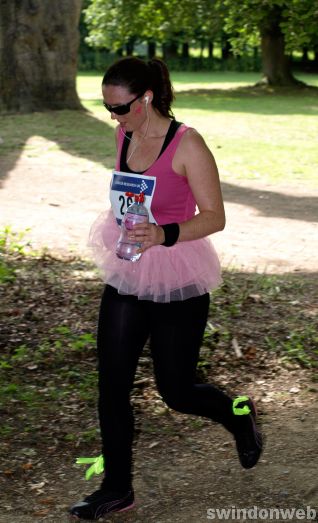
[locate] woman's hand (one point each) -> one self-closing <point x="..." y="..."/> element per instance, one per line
<point x="148" y="234"/>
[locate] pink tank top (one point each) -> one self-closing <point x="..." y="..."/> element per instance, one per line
<point x="163" y="274"/>
<point x="173" y="200"/>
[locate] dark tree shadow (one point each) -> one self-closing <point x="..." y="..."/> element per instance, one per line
<point x="78" y="133"/>
<point x="81" y="134"/>
<point x="273" y="204"/>
<point x="252" y="99"/>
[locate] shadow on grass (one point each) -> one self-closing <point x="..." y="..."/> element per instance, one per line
<point x="81" y="134"/>
<point x="78" y="133"/>
<point x="252" y="99"/>
<point x="273" y="204"/>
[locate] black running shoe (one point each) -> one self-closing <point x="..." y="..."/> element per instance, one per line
<point x="249" y="441"/>
<point x="101" y="503"/>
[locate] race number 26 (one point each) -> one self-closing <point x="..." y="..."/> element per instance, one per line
<point x="125" y="202"/>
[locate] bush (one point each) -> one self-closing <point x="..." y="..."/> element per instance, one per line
<point x="95" y="59"/>
<point x="240" y="63"/>
<point x="99" y="60"/>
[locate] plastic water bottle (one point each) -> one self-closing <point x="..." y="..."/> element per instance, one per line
<point x="135" y="213"/>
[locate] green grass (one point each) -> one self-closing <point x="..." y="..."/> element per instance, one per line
<point x="254" y="134"/>
<point x="89" y="82"/>
<point x="262" y="135"/>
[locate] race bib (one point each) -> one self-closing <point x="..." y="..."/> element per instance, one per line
<point x="130" y="182"/>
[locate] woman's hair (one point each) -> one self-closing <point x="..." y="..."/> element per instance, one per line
<point x="138" y="76"/>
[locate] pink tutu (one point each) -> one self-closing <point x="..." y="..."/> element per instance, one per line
<point x="162" y="274"/>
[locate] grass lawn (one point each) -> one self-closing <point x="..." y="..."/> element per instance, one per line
<point x="256" y="135"/>
<point x="271" y="136"/>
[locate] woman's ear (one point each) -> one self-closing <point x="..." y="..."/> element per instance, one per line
<point x="148" y="96"/>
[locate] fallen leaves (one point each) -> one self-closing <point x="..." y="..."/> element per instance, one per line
<point x="8" y="472"/>
<point x="41" y="513"/>
<point x="27" y="466"/>
<point x="37" y="486"/>
<point x="51" y="407"/>
<point x="237" y="349"/>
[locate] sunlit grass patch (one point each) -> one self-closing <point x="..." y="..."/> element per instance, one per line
<point x="254" y="134"/>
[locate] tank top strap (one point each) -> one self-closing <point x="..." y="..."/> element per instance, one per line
<point x="172" y="147"/>
<point x="174" y="134"/>
<point x="120" y="141"/>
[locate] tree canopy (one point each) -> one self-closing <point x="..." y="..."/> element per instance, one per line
<point x="247" y="19"/>
<point x="115" y="23"/>
<point x="278" y="27"/>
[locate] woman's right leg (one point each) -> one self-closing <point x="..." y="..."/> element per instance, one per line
<point x="122" y="333"/>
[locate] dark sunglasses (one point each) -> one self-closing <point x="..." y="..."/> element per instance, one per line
<point x="120" y="109"/>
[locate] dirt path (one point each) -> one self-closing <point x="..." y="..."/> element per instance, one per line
<point x="269" y="228"/>
<point x="182" y="473"/>
<point x="186" y="469"/>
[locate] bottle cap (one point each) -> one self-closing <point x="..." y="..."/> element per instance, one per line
<point x="141" y="197"/>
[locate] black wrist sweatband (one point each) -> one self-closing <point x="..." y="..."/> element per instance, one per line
<point x="172" y="231"/>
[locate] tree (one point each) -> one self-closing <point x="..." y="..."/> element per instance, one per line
<point x="38" y="54"/>
<point x="278" y="27"/>
<point x="114" y="23"/>
<point x="281" y="25"/>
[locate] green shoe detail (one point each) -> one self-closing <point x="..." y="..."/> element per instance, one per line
<point x="97" y="465"/>
<point x="240" y="411"/>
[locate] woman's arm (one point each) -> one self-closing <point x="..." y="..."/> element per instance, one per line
<point x="194" y="160"/>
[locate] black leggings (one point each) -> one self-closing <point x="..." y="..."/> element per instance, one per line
<point x="175" y="330"/>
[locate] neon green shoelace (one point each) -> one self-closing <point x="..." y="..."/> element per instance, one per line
<point x="240" y="411"/>
<point x="97" y="465"/>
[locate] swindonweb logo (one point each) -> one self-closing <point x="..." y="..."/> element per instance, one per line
<point x="265" y="514"/>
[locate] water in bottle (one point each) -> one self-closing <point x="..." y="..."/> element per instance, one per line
<point x="136" y="213"/>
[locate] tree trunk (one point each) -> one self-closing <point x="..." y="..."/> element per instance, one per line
<point x="170" y="49"/>
<point x="211" y="48"/>
<point x="315" y="60"/>
<point x="276" y="64"/>
<point x="305" y="56"/>
<point x="130" y="46"/>
<point x="226" y="48"/>
<point x="151" y="49"/>
<point x="38" y="54"/>
<point x="185" y="50"/>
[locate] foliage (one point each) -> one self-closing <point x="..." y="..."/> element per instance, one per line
<point x="246" y="19"/>
<point x="301" y="345"/>
<point x="247" y="62"/>
<point x="12" y="244"/>
<point x="112" y="24"/>
<point x="244" y="300"/>
<point x="282" y="26"/>
<point x="100" y="59"/>
<point x="115" y="23"/>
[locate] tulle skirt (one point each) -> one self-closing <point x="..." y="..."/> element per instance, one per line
<point x="162" y="274"/>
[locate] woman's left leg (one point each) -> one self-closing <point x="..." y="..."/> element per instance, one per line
<point x="176" y="331"/>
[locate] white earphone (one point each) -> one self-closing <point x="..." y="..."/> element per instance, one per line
<point x="147" y="99"/>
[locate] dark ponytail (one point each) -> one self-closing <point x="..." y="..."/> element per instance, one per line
<point x="138" y="76"/>
<point x="162" y="87"/>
